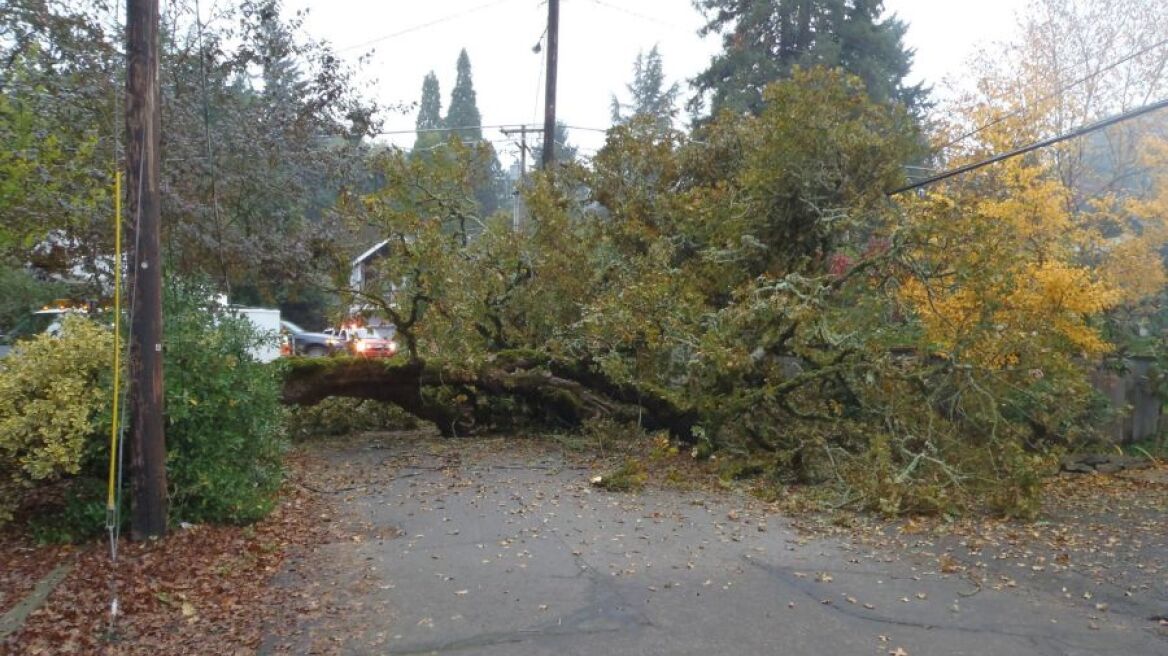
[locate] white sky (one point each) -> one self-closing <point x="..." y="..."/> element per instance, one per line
<point x="599" y="39"/>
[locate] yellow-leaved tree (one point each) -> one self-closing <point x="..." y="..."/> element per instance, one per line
<point x="1033" y="258"/>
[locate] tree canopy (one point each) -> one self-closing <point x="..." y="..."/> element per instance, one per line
<point x="463" y="117"/>
<point x="429" y="114"/>
<point x="263" y="131"/>
<point x="649" y="95"/>
<point x="764" y="40"/>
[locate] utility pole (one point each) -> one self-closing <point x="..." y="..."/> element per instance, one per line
<point x="517" y="207"/>
<point x="549" y="108"/>
<point x="143" y="115"/>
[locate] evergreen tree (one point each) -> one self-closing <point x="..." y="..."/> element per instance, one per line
<point x="283" y="88"/>
<point x="432" y="144"/>
<point x="429" y="114"/>
<point x="491" y="185"/>
<point x="430" y="108"/>
<point x="565" y="152"/>
<point x="764" y="39"/>
<point x="464" y="112"/>
<point x="464" y="121"/>
<point x="648" y="92"/>
<point x="283" y="80"/>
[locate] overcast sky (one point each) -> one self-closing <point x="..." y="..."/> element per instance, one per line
<point x="599" y="39"/>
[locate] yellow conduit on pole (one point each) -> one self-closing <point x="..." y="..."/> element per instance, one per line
<point x="111" y="498"/>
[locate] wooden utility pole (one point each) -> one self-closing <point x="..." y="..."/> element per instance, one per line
<point x="143" y="115"/>
<point x="549" y="107"/>
<point x="517" y="207"/>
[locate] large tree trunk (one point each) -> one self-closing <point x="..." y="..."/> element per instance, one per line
<point x="511" y="390"/>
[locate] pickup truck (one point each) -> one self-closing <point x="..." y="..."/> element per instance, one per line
<point x="370" y="341"/>
<point x="314" y="345"/>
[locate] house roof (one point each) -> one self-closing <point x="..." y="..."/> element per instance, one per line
<point x="371" y="252"/>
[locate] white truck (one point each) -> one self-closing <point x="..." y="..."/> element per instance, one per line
<point x="48" y="320"/>
<point x="267" y="322"/>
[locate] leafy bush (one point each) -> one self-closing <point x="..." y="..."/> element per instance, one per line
<point x="224" y="420"/>
<point x="54" y="396"/>
<point x="80" y="514"/>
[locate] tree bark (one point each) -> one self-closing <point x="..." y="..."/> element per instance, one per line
<point x="511" y="390"/>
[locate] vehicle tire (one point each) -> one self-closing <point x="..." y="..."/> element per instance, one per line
<point x="316" y="351"/>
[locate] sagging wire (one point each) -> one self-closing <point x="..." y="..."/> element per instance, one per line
<point x="219" y="238"/>
<point x="113" y="519"/>
<point x="117" y="455"/>
<point x="111" y="507"/>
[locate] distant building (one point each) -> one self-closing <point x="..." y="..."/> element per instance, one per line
<point x="358" y="267"/>
<point x="359" y="274"/>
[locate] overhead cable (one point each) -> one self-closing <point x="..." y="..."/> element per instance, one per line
<point x="1078" y="132"/>
<point x="1058" y="92"/>
<point x="422" y="26"/>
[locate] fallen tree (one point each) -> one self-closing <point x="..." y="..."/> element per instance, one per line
<point x="508" y="390"/>
<point x="755" y="291"/>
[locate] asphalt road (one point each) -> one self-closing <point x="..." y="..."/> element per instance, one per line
<point x="471" y="547"/>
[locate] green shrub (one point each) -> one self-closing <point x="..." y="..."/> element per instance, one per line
<point x="80" y="516"/>
<point x="54" y="398"/>
<point x="224" y="419"/>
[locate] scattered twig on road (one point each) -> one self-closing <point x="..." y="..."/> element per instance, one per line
<point x="973" y="592"/>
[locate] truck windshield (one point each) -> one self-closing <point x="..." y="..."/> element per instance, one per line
<point x="384" y="332"/>
<point x="32" y="324"/>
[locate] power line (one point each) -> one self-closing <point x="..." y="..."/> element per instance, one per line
<point x="219" y="238"/>
<point x="580" y="127"/>
<point x="443" y="145"/>
<point x="422" y="26"/>
<point x="454" y="129"/>
<point x="483" y="127"/>
<point x="644" y="17"/>
<point x="34" y="152"/>
<point x="1078" y="132"/>
<point x="1058" y="92"/>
